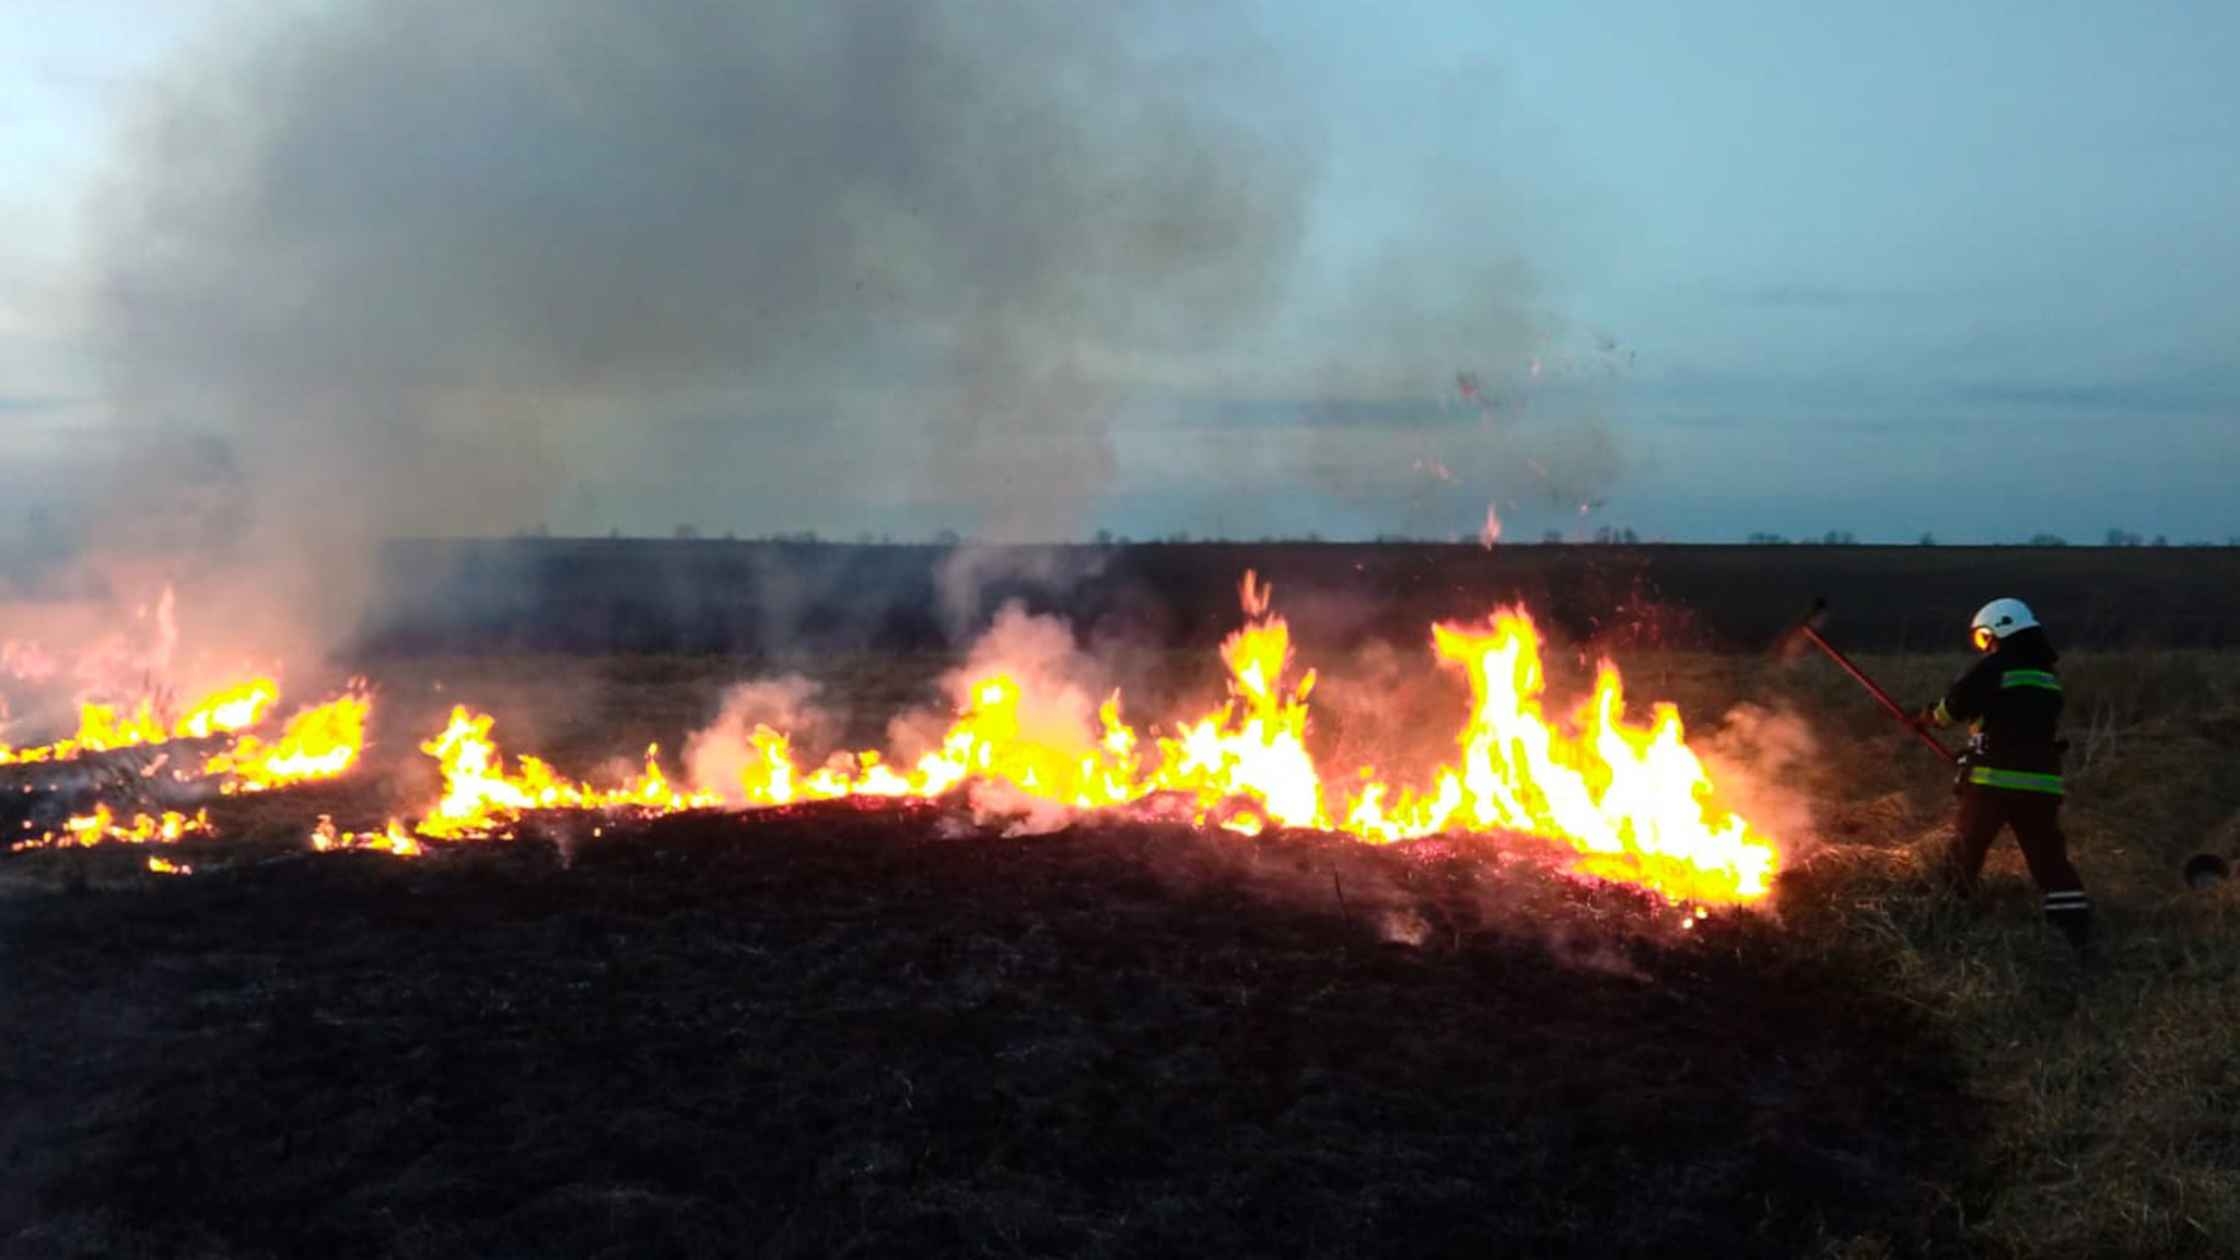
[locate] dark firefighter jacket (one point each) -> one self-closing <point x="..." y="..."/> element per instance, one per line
<point x="2011" y="699"/>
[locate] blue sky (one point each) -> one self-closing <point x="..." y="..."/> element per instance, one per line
<point x="1882" y="268"/>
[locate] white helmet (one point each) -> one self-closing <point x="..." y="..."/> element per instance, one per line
<point x="1998" y="619"/>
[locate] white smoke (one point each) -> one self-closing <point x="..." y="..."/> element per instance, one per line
<point x="1060" y="687"/>
<point x="1760" y="759"/>
<point x="715" y="756"/>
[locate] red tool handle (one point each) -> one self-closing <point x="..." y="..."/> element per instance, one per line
<point x="1874" y="689"/>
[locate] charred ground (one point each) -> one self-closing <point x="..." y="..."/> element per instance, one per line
<point x="845" y="1032"/>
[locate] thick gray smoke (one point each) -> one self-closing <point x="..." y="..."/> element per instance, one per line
<point x="382" y="267"/>
<point x="428" y="263"/>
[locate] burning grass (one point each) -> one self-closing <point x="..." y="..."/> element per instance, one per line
<point x="1631" y="801"/>
<point x="104" y="727"/>
<point x="319" y="743"/>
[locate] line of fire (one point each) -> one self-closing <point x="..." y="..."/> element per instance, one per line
<point x="1611" y="792"/>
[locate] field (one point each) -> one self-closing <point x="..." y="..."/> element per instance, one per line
<point x="835" y="1030"/>
<point x="773" y="598"/>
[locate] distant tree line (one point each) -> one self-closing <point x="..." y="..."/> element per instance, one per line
<point x="1607" y="535"/>
<point x="2114" y="538"/>
<point x="1833" y="538"/>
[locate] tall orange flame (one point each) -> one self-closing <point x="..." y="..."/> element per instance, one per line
<point x="1634" y="801"/>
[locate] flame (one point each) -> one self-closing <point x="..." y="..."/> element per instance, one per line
<point x="1629" y="801"/>
<point x="392" y="839"/>
<point x="1254" y="748"/>
<point x="989" y="742"/>
<point x="322" y="742"/>
<point x="106" y="727"/>
<point x="1254" y="595"/>
<point x="769" y="777"/>
<point x="228" y="710"/>
<point x="101" y="826"/>
<point x="480" y="797"/>
<point x="1634" y="801"/>
<point x="165" y="866"/>
<point x="101" y="728"/>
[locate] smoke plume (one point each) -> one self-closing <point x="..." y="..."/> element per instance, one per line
<point x="420" y="262"/>
<point x="387" y="267"/>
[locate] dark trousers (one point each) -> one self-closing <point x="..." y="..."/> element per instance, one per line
<point x="2036" y="819"/>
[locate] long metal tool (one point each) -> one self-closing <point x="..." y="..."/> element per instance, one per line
<point x="1809" y="630"/>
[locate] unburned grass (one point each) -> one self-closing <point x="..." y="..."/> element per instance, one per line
<point x="2112" y="1088"/>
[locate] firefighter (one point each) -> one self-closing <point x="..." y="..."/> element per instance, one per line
<point x="2010" y="775"/>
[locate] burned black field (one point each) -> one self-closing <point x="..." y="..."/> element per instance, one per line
<point x="836" y="1031"/>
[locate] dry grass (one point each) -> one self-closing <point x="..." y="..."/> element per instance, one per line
<point x="2115" y="1090"/>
